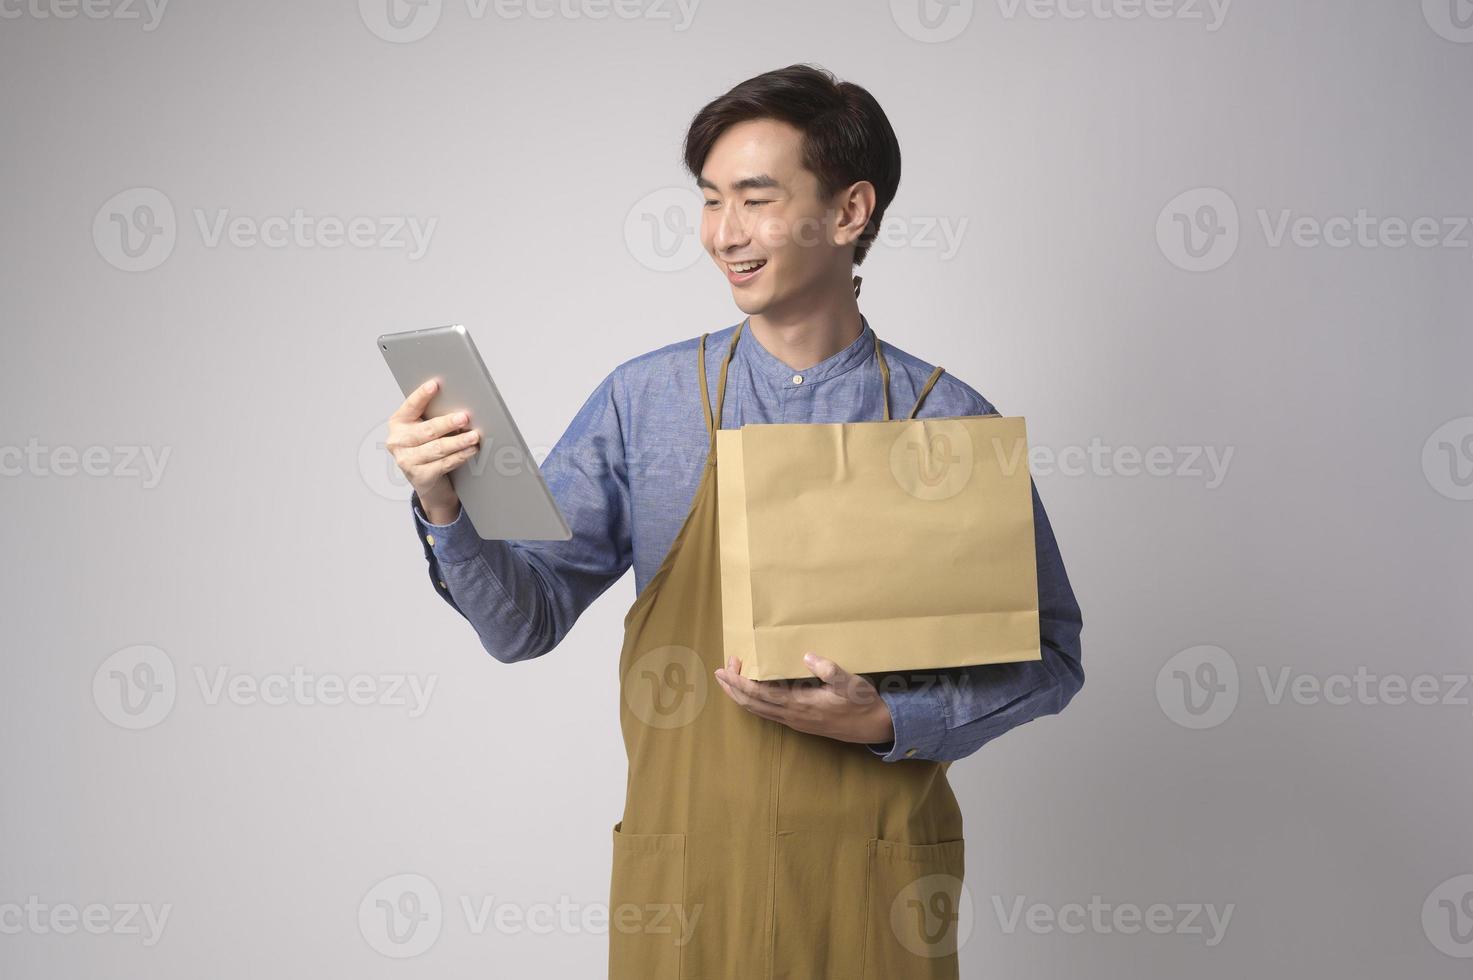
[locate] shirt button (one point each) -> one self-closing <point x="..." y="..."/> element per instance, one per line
<point x="430" y="540"/>
<point x="797" y="379"/>
<point x="909" y="753"/>
<point x="444" y="586"/>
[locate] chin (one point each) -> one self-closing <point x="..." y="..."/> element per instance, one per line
<point x="750" y="305"/>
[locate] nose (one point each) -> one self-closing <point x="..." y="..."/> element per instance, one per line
<point x="728" y="232"/>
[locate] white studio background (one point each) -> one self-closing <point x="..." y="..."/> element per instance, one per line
<point x="1169" y="233"/>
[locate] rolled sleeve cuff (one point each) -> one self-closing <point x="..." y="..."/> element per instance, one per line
<point x="919" y="717"/>
<point x="452" y="543"/>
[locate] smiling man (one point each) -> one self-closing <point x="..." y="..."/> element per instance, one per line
<point x="804" y="829"/>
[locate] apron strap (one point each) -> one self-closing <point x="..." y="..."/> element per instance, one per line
<point x="926" y="390"/>
<point x="885" y="382"/>
<point x="712" y="424"/>
<point x="884" y="376"/>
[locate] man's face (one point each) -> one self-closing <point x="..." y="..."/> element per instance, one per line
<point x="762" y="206"/>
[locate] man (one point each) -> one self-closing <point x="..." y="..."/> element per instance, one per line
<point x="796" y="829"/>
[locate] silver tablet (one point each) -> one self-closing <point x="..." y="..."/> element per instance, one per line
<point x="500" y="487"/>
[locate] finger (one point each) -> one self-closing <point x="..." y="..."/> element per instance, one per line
<point x="737" y="696"/>
<point x="825" y="669"/>
<point x="413" y="407"/>
<point x="838" y="681"/>
<point x="773" y="692"/>
<point x="434" y="451"/>
<point x="411" y="435"/>
<point x="762" y="709"/>
<point x="453" y="461"/>
<point x="420" y="433"/>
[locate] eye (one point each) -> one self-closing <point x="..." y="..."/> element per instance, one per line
<point x="759" y="202"/>
<point x="710" y="202"/>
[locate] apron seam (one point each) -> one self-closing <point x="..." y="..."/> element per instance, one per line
<point x="772" y="794"/>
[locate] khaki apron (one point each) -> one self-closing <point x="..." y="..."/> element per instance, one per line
<point x="748" y="850"/>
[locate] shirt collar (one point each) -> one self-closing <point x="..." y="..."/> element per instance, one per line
<point x="765" y="364"/>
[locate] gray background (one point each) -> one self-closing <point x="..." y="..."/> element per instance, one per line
<point x="544" y="148"/>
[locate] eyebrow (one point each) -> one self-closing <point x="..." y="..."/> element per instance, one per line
<point x="757" y="181"/>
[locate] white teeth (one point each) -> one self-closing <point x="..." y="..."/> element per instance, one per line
<point x="740" y="267"/>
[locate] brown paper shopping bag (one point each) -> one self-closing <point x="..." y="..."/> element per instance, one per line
<point x="898" y="545"/>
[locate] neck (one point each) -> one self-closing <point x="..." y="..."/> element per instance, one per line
<point x="804" y="336"/>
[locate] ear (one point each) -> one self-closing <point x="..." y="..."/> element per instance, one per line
<point x="853" y="206"/>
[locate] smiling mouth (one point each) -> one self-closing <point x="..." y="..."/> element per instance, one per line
<point x="743" y="271"/>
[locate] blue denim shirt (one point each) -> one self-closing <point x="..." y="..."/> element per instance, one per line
<point x="624" y="475"/>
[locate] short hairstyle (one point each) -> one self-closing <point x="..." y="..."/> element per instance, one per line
<point x="846" y="136"/>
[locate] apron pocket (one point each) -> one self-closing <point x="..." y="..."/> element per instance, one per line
<point x="649" y="924"/>
<point x="914" y="910"/>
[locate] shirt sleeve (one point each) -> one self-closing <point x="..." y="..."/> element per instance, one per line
<point x="522" y="597"/>
<point x="948" y="714"/>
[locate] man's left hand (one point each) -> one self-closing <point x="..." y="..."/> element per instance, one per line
<point x="840" y="706"/>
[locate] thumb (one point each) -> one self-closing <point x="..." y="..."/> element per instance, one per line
<point x="831" y="674"/>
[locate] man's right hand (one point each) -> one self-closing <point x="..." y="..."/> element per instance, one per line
<point x="427" y="450"/>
